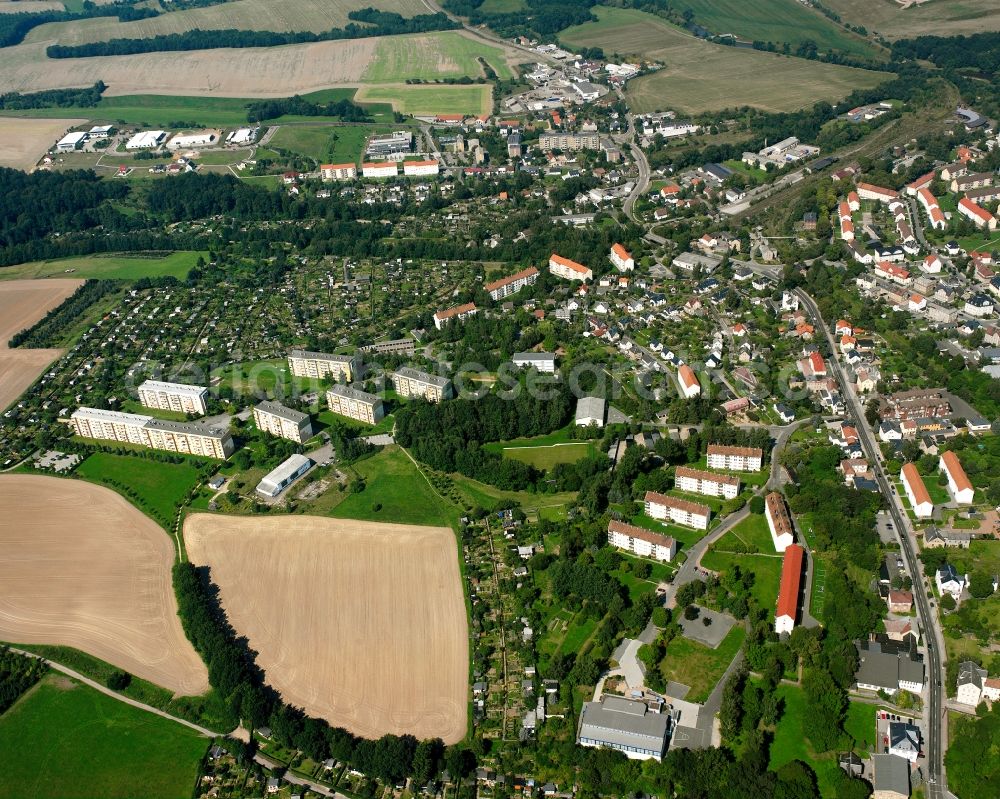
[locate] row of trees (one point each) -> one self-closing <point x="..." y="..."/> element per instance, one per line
<point x="17" y="674"/>
<point x="261" y="110"/>
<point x="541" y="18"/>
<point x="14" y="27"/>
<point x="47" y="331"/>
<point x="374" y="23"/>
<point x="54" y="98"/>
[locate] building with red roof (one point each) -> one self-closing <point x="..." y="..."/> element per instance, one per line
<point x="788" y="594"/>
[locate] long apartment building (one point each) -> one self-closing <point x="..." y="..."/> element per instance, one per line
<point x="569" y="141"/>
<point x="511" y="284"/>
<point x="678" y="511"/>
<point x="569" y="270"/>
<point x="173" y="397"/>
<point x="917" y="403"/>
<point x="411" y="383"/>
<point x="642" y="542"/>
<point x="959" y="484"/>
<point x="916" y="491"/>
<point x="459" y="313"/>
<point x="355" y="404"/>
<point x="338" y="171"/>
<point x="787" y="611"/>
<point x="779" y="521"/>
<point x="696" y="481"/>
<point x="303" y="363"/>
<point x="283" y="422"/>
<point x="134" y="428"/>
<point x="735" y="459"/>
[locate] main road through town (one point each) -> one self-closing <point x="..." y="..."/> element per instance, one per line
<point x="936" y="786"/>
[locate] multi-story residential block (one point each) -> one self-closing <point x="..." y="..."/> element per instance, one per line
<point x="642" y="542"/>
<point x="420" y="168"/>
<point x="380" y="169"/>
<point x="622" y="258"/>
<point x="338" y="171"/>
<point x="459" y="314"/>
<point x="866" y="191"/>
<point x="173" y="397"/>
<point x="787" y="610"/>
<point x="569" y="270"/>
<point x="916" y="491"/>
<point x="506" y="286"/>
<point x="915" y="404"/>
<point x="959" y="484"/>
<point x="978" y="215"/>
<point x="303" y="363"/>
<point x="696" y="481"/>
<point x="355" y="404"/>
<point x="410" y="383"/>
<point x="569" y="141"/>
<point x="735" y="459"/>
<point x="278" y="420"/>
<point x="133" y="428"/>
<point x="679" y="511"/>
<point x="779" y="521"/>
<point x="110" y="425"/>
<point x="542" y="361"/>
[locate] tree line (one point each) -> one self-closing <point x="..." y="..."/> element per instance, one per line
<point x="345" y="109"/>
<point x="45" y="331"/>
<point x="14" y="27"/>
<point x="542" y="18"/>
<point x="54" y="98"/>
<point x="17" y="674"/>
<point x="375" y="23"/>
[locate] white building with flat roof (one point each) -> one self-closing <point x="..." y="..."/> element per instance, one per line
<point x="203" y="138"/>
<point x="410" y="383"/>
<point x="281" y="421"/>
<point x="590" y="410"/>
<point x="542" y="361"/>
<point x="626" y="725"/>
<point x="147" y="140"/>
<point x="355" y="404"/>
<point x="278" y="479"/>
<point x="177" y="397"/>
<point x="132" y="428"/>
<point x="71" y="141"/>
<point x="303" y="363"/>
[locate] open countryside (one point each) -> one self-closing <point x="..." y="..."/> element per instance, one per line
<point x="900" y="20"/>
<point x="24" y="141"/>
<point x="83" y="568"/>
<point x="107" y="267"/>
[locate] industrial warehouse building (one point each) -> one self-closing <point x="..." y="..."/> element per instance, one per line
<point x="277" y="480"/>
<point x="627" y="725"/>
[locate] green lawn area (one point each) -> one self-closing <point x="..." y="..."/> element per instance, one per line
<point x="745" y="169"/>
<point x="860" y="725"/>
<point x="545" y="457"/>
<point x="159" y="488"/>
<point x="326" y="143"/>
<point x="63" y="739"/>
<point x="394" y="483"/>
<point x="552" y="506"/>
<point x="110" y="267"/>
<point x="699" y="667"/>
<point x="134" y="406"/>
<point x="562" y="436"/>
<point x="766" y="571"/>
<point x="447" y="54"/>
<point x="431" y="99"/>
<point x="750" y="535"/>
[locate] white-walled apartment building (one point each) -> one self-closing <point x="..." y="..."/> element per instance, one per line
<point x="679" y="511"/>
<point x="506" y="286"/>
<point x="695" y="481"/>
<point x="959" y="484"/>
<point x="569" y="270"/>
<point x="420" y="168"/>
<point x="569" y="141"/>
<point x="355" y="404"/>
<point x="459" y="313"/>
<point x="916" y="491"/>
<point x="133" y="428"/>
<point x="690" y="387"/>
<point x="735" y="459"/>
<point x="779" y="521"/>
<point x="544" y="362"/>
<point x="303" y="363"/>
<point x="173" y="397"/>
<point x="411" y="383"/>
<point x="642" y="542"/>
<point x="283" y="422"/>
<point x="622" y="258"/>
<point x="380" y="170"/>
<point x="338" y="171"/>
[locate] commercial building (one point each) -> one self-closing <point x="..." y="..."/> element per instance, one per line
<point x="100" y="131"/>
<point x="278" y="420"/>
<point x="71" y="141"/>
<point x="410" y="383"/>
<point x="695" y="481"/>
<point x="787" y="610"/>
<point x="642" y="542"/>
<point x="204" y="138"/>
<point x="421" y="168"/>
<point x="622" y="258"/>
<point x="590" y="411"/>
<point x="382" y="145"/>
<point x="679" y="511"/>
<point x="569" y="270"/>
<point x="916" y="491"/>
<point x="173" y="397"/>
<point x="277" y="480"/>
<point x="338" y="171"/>
<point x="355" y="404"/>
<point x="380" y="170"/>
<point x="506" y="286"/>
<point x="303" y="363"/>
<point x="132" y="428"/>
<point x="626" y="725"/>
<point x="690" y="387"/>
<point x="959" y="484"/>
<point x="147" y="140"/>
<point x="542" y="361"/>
<point x="889" y="666"/>
<point x="459" y="313"/>
<point x="779" y="521"/>
<point x="735" y="459"/>
<point x="242" y="136"/>
<point x="569" y="141"/>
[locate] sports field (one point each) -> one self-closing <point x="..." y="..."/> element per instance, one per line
<point x="935" y="17"/>
<point x="701" y="76"/>
<point x="83" y="568"/>
<point x="64" y="739"/>
<point x="22" y="303"/>
<point x="360" y="623"/>
<point x="473" y="100"/>
<point x="24" y="141"/>
<point x="109" y="267"/>
<point x="778" y="21"/>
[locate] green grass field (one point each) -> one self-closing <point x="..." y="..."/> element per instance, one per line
<point x="545" y="457"/>
<point x="752" y="533"/>
<point x="325" y="143"/>
<point x="938" y="18"/>
<point x="502" y="6"/>
<point x="695" y="665"/>
<point x="701" y="76"/>
<point x="766" y="571"/>
<point x="777" y="21"/>
<point x="63" y="739"/>
<point x="394" y="483"/>
<point x="160" y="487"/>
<point x="428" y="99"/>
<point x="109" y="267"/>
<point x="451" y="55"/>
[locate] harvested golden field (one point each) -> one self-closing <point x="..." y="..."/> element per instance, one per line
<point x="81" y="567"/>
<point x="360" y="623"/>
<point x="34" y="6"/>
<point x="890" y="19"/>
<point x="22" y="303"/>
<point x="24" y="141"/>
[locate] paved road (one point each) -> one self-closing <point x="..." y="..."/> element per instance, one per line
<point x="642" y="182"/>
<point x="937" y="787"/>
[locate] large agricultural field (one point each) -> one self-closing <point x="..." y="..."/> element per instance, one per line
<point x="889" y="19"/>
<point x="360" y="623"/>
<point x="701" y="76"/>
<point x="107" y="267"/>
<point x="65" y="739"/>
<point x="22" y="303"/>
<point x="83" y="568"/>
<point x="476" y="99"/>
<point x="24" y="141"/>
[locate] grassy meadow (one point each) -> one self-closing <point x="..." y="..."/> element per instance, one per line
<point x="936" y="18"/>
<point x="448" y="54"/>
<point x="430" y="99"/>
<point x="698" y="666"/>
<point x="109" y="267"/>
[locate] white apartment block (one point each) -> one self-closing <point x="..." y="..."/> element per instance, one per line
<point x="173" y="397"/>
<point x="779" y="521"/>
<point x="133" y="428"/>
<point x="710" y="484"/>
<point x="420" y="168"/>
<point x="338" y="171"/>
<point x="678" y="511"/>
<point x="380" y="170"/>
<point x="544" y="362"/>
<point x="569" y="141"/>
<point x="317" y="365"/>
<point x="735" y="459"/>
<point x="569" y="270"/>
<point x="459" y="312"/>
<point x="622" y="258"/>
<point x="641" y="542"/>
<point x="959" y="485"/>
<point x="283" y="422"/>
<point x="506" y="286"/>
<point x="355" y="404"/>
<point x="410" y="383"/>
<point x="916" y="491"/>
